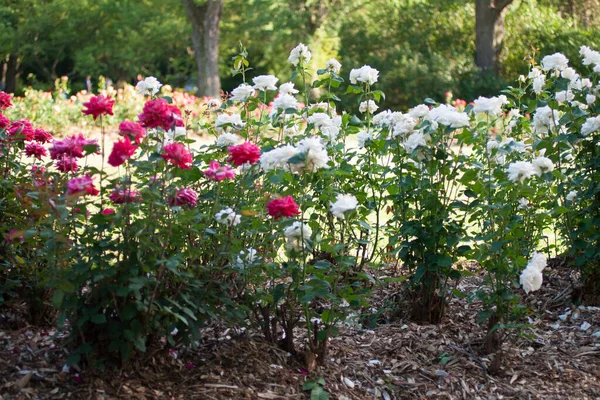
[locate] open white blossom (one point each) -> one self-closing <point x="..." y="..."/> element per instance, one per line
<point x="523" y="203"/>
<point x="265" y="82"/>
<point x="420" y="111"/>
<point x="538" y="261"/>
<point x="298" y="230"/>
<point x="228" y="217"/>
<point x="545" y="119"/>
<point x="572" y="195"/>
<point x="514" y="113"/>
<point x="247" y="257"/>
<point x="569" y="73"/>
<point x="520" y="170"/>
<point x="589" y="56"/>
<point x="149" y="86"/>
<point x="364" y="136"/>
<point x="449" y="116"/>
<point x="316" y="154"/>
<point x="416" y="139"/>
<point x="277" y="158"/>
<point x="538" y="84"/>
<point x="242" y="92"/>
<point x="382" y="118"/>
<point x="364" y="74"/>
<point x="556" y="61"/>
<point x="368" y="106"/>
<point x="564" y="95"/>
<point x="296" y="234"/>
<point x="531" y="279"/>
<point x="227" y="139"/>
<point x="299" y="55"/>
<point x="590" y="98"/>
<point x="404" y="125"/>
<point x="342" y="204"/>
<point x="492" y="106"/>
<point x="491" y="145"/>
<point x="283" y="102"/>
<point x="586" y="83"/>
<point x="328" y="126"/>
<point x="542" y="165"/>
<point x="534" y="73"/>
<point x="590" y="125"/>
<point x="224" y="119"/>
<point x="333" y="65"/>
<point x="287" y="88"/>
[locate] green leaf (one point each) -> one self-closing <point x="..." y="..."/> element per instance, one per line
<point x="57" y="298"/>
<point x="98" y="319"/>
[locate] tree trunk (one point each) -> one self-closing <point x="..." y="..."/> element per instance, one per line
<point x="12" y="67"/>
<point x="2" y="75"/>
<point x="489" y="32"/>
<point x="205" y="40"/>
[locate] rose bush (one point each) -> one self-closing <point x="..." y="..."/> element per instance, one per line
<point x="285" y="219"/>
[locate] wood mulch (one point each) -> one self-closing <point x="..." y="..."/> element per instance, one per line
<point x="558" y="359"/>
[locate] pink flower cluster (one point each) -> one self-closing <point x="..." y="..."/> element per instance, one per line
<point x="283" y="207"/>
<point x="5" y="101"/>
<point x="121" y="196"/>
<point x="68" y="150"/>
<point x="177" y="154"/>
<point x="244" y="153"/>
<point x="121" y="152"/>
<point x="81" y="186"/>
<point x="133" y="130"/>
<point x="216" y="172"/>
<point x="160" y="114"/>
<point x="184" y="197"/>
<point x="98" y="105"/>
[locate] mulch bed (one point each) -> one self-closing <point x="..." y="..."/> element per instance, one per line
<point x="559" y="359"/>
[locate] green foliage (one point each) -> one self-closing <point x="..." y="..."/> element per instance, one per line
<point x="316" y="389"/>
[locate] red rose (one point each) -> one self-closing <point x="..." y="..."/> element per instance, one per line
<point x="98" y="105"/>
<point x="184" y="197"/>
<point x="5" y="101"/>
<point x="121" y="152"/>
<point x="67" y="164"/>
<point x="40" y="135"/>
<point x="4" y="122"/>
<point x="35" y="150"/>
<point x="22" y="128"/>
<point x="132" y="129"/>
<point x="157" y="113"/>
<point x="283" y="207"/>
<point x="244" y="153"/>
<point x="177" y="154"/>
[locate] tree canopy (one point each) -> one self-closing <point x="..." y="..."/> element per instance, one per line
<point x="423" y="48"/>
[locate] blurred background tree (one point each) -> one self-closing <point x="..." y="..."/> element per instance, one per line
<point x="423" y="48"/>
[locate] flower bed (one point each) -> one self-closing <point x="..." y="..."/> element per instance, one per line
<point x="284" y="220"/>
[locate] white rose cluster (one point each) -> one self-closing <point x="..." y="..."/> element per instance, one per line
<point x="343" y="203"/>
<point x="531" y="278"/>
<point x="491" y="106"/>
<point x="364" y="74"/>
<point x="149" y="86"/>
<point x="296" y="234"/>
<point x="313" y="148"/>
<point x="299" y="55"/>
<point x="228" y="217"/>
